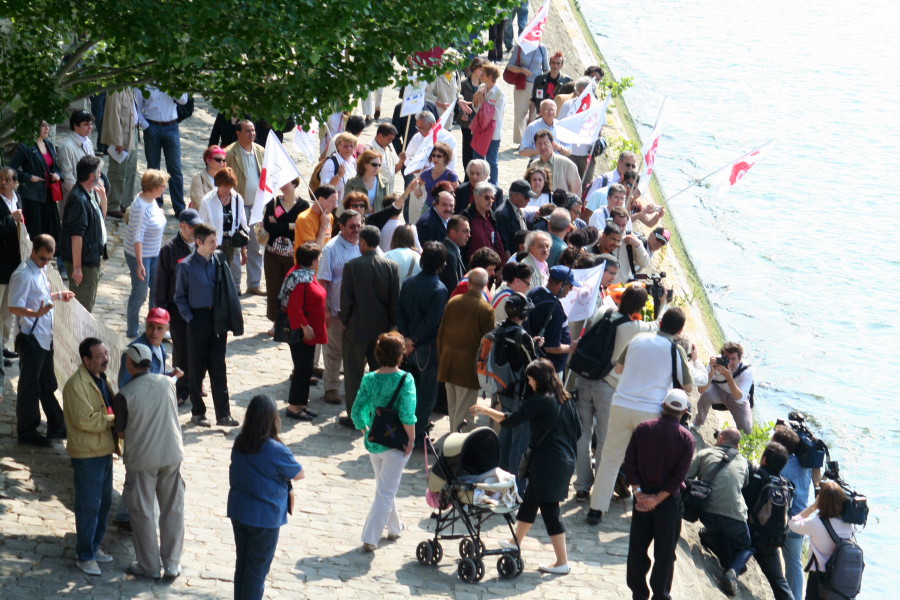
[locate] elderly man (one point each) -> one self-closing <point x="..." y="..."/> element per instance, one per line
<point x="335" y="255"/>
<point x="158" y="117"/>
<point x="382" y="143"/>
<point x="121" y="133"/>
<point x="245" y="157"/>
<point x="31" y="300"/>
<point x="563" y="171"/>
<point x="510" y="215"/>
<point x="87" y="406"/>
<point x="369" y="291"/>
<point x="538" y="244"/>
<point x="558" y="227"/>
<point x="466" y="320"/>
<point x="432" y="225"/>
<point x="424" y="122"/>
<point x="458" y="233"/>
<point x="147" y="419"/>
<point x="547" y="121"/>
<point x="83" y="235"/>
<point x="481" y="220"/>
<point x="477" y="170"/>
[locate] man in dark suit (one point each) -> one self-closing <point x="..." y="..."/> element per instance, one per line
<point x="477" y="170"/>
<point x="458" y="234"/>
<point x="509" y="216"/>
<point x="369" y="293"/>
<point x="432" y="225"/>
<point x="10" y="218"/>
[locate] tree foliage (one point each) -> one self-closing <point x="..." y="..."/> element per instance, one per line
<point x="270" y="58"/>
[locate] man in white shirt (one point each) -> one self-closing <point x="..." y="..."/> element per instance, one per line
<point x="158" y="117"/>
<point x="730" y="384"/>
<point x="627" y="161"/>
<point x="245" y="157"/>
<point x="424" y="122"/>
<point x="546" y="121"/>
<point x="382" y="143"/>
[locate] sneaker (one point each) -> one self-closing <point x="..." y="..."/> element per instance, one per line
<point x="88" y="567"/>
<point x="102" y="557"/>
<point x="594" y="517"/>
<point x="555" y="570"/>
<point x="366" y="548"/>
<point x="582" y="496"/>
<point x="228" y="421"/>
<point x="333" y="397"/>
<point x="729" y="582"/>
<point x="200" y="420"/>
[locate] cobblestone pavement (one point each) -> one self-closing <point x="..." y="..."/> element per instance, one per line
<point x="318" y="554"/>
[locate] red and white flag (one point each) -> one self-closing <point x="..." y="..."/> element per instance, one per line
<point x="423" y="154"/>
<point x="649" y="149"/>
<point x="530" y="37"/>
<point x="583" y="127"/>
<point x="587" y="99"/>
<point x="726" y="177"/>
<point x="278" y="169"/>
<point x="307" y="141"/>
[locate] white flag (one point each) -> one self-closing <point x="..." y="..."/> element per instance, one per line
<point x="423" y="154"/>
<point x="649" y="149"/>
<point x="583" y="127"/>
<point x="530" y="37"/>
<point x="581" y="302"/>
<point x="413" y="99"/>
<point x="726" y="177"/>
<point x="306" y="141"/>
<point x="278" y="169"/>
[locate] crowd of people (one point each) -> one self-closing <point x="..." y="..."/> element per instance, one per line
<point x="390" y="293"/>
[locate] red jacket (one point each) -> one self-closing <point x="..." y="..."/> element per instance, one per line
<point x="306" y="306"/>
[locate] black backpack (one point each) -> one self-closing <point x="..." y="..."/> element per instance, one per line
<point x="770" y="513"/>
<point x="842" y="578"/>
<point x="594" y="355"/>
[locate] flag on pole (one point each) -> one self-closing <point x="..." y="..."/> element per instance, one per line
<point x="423" y="154"/>
<point x="278" y="169"/>
<point x="649" y="149"/>
<point x="726" y="177"/>
<point x="583" y="127"/>
<point x="587" y="99"/>
<point x="581" y="302"/>
<point x="530" y="37"/>
<point x="413" y="98"/>
<point x="306" y="141"/>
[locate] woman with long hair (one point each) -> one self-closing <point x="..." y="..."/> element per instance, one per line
<point x="555" y="430"/>
<point x="541" y="184"/>
<point x="404" y="251"/>
<point x="377" y="390"/>
<point x="260" y="476"/>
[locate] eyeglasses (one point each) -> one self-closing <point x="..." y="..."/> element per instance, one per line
<point x="376" y="165"/>
<point x="218" y="160"/>
<point x="631" y="165"/>
<point x="491" y="197"/>
<point x="354" y="227"/>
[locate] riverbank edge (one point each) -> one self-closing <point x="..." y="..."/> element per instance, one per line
<point x="682" y="261"/>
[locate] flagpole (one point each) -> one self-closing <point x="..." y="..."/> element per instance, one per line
<point x="406" y="133"/>
<point x="698" y="181"/>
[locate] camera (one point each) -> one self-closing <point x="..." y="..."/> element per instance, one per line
<point x="856" y="506"/>
<point x="810" y="452"/>
<point x="722" y="361"/>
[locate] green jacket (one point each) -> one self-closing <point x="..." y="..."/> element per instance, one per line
<point x="88" y="425"/>
<point x="726" y="499"/>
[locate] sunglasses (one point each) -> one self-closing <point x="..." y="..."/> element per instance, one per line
<point x="218" y="160"/>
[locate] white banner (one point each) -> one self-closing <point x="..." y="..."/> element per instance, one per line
<point x="278" y="169"/>
<point x="728" y="176"/>
<point x="530" y="37"/>
<point x="581" y="302"/>
<point x="423" y="153"/>
<point x="414" y="100"/>
<point x="583" y="127"/>
<point x="306" y="141"/>
<point x="649" y="150"/>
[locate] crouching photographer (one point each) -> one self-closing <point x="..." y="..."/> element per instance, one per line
<point x="730" y="388"/>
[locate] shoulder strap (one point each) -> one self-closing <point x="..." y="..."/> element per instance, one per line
<point x="740" y="370"/>
<point x="397" y="392"/>
<point x="729" y="455"/>
<point x="675" y="383"/>
<point x="830" y="529"/>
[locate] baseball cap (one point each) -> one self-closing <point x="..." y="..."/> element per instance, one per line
<point x="520" y="186"/>
<point x="158" y="315"/>
<point x="662" y="234"/>
<point x="190" y="216"/>
<point x="140" y="355"/>
<point x="564" y="274"/>
<point x="677" y="400"/>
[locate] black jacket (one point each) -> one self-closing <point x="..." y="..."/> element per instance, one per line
<point x="464" y="197"/>
<point x="430" y="227"/>
<point x="28" y="162"/>
<point x="508" y="224"/>
<point x="227" y="306"/>
<point x="82" y="219"/>
<point x="455" y="269"/>
<point x="9" y="244"/>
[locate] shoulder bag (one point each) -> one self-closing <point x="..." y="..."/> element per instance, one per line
<point x="697" y="494"/>
<point x="516" y="79"/>
<point x="386" y="428"/>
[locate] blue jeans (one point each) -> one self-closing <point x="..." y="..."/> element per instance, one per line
<point x="520" y="14"/>
<point x="255" y="550"/>
<point x="165" y="138"/>
<point x="493" y="156"/>
<point x="93" y="496"/>
<point x="792" y="552"/>
<point x="139" y="291"/>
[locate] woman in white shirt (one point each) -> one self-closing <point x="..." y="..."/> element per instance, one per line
<point x="223" y="208"/>
<point x="202" y="184"/>
<point x="143" y="239"/>
<point x="542" y="185"/>
<point x="830" y="506"/>
<point x="405" y="251"/>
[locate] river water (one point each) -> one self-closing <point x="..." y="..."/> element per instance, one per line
<point x="800" y="258"/>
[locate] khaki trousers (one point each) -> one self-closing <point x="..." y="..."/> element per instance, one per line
<point x="459" y="400"/>
<point x="332" y="354"/>
<point x="142" y="490"/>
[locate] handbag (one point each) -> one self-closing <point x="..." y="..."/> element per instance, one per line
<point x="386" y="428"/>
<point x="22" y="338"/>
<point x="525" y="461"/>
<point x="516" y="79"/>
<point x="239" y="238"/>
<point x="697" y="494"/>
<point x="282" y="328"/>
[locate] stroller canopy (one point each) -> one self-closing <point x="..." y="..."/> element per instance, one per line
<point x="471" y="453"/>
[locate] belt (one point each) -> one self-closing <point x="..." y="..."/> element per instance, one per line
<point x="163" y="123"/>
<point x="202" y="308"/>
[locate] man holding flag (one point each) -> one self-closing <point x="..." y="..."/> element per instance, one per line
<point x="528" y="60"/>
<point x="428" y="132"/>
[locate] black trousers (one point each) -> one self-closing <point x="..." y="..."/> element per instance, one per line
<point x="178" y="329"/>
<point x="37" y="384"/>
<point x="303" y="356"/>
<point x="662" y="526"/>
<point x="206" y="352"/>
<point x="769" y="561"/>
<point x="356" y="355"/>
<point x="466" y="148"/>
<point x="495" y="35"/>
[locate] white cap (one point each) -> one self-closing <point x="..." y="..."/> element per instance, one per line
<point x="139" y="355"/>
<point x="677" y="400"/>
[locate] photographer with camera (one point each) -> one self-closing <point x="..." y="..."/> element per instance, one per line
<point x="730" y="387"/>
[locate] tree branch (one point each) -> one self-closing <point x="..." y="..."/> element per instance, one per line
<point x="134" y="69"/>
<point x="76" y="56"/>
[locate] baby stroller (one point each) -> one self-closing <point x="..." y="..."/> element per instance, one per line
<point x="466" y="488"/>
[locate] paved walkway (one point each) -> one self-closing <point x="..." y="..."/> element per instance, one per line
<point x="317" y="555"/>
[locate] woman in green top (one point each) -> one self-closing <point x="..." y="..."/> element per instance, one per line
<point x="376" y="390"/>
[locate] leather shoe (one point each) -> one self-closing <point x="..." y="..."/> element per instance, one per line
<point x="227" y="422"/>
<point x="346" y="422"/>
<point x="310" y="413"/>
<point x="200" y="420"/>
<point x="298" y="416"/>
<point x="7" y="362"/>
<point x="10" y="354"/>
<point x="594" y="517"/>
<point x="36" y="440"/>
<point x="115" y="214"/>
<point x="332" y="397"/>
<point x="255" y="291"/>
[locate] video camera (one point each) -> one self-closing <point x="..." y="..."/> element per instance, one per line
<point x="656" y="289"/>
<point x="856" y="506"/>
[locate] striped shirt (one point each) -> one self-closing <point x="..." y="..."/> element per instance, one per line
<point x="146" y="225"/>
<point x="337" y="253"/>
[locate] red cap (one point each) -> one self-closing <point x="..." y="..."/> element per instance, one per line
<point x="158" y="315"/>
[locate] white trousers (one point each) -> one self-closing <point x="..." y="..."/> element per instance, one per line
<point x="388" y="467"/>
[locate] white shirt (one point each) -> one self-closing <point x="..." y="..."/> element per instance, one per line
<point x="251" y="170"/>
<point x="443" y="136"/>
<point x="11" y="203"/>
<point x="86" y="144"/>
<point x="328" y="171"/>
<point x="647" y="376"/>
<point x="743" y="381"/>
<point x="158" y="107"/>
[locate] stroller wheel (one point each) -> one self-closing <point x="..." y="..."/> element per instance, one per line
<point x="507" y="567"/>
<point x="520" y="563"/>
<point x="425" y="553"/>
<point x="471" y="548"/>
<point x="438" y="552"/>
<point x="470" y="570"/>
